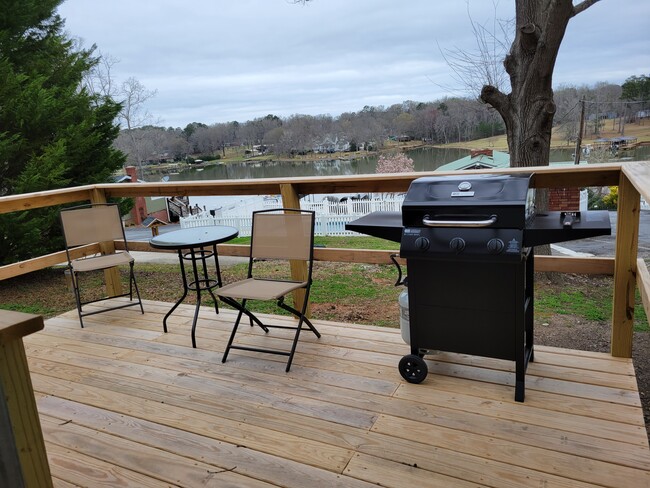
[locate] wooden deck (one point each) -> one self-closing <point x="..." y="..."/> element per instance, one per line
<point x="123" y="404"/>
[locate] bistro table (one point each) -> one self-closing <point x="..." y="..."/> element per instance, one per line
<point x="190" y="244"/>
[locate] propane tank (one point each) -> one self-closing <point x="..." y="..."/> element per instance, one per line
<point x="403" y="301"/>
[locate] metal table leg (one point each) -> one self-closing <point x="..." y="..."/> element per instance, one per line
<point x="185" y="288"/>
<point x="202" y="282"/>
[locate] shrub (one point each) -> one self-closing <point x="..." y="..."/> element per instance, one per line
<point x="611" y="200"/>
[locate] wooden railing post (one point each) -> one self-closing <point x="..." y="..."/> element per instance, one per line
<point x="111" y="275"/>
<point x="22" y="449"/>
<point x="627" y="239"/>
<point x="291" y="199"/>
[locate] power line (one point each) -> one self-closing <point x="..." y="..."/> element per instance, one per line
<point x="614" y="102"/>
<point x="568" y="113"/>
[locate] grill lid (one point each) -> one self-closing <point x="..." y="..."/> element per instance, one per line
<point x="469" y="201"/>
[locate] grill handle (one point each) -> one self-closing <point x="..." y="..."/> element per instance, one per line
<point x="459" y="223"/>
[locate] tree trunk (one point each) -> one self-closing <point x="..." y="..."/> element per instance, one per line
<point x="529" y="109"/>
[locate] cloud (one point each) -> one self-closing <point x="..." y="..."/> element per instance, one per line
<point x="213" y="61"/>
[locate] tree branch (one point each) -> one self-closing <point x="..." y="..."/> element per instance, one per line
<point x="582" y="6"/>
<point x="530" y="34"/>
<point x="496" y="98"/>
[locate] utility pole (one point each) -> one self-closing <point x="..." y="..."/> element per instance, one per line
<point x="623" y="119"/>
<point x="579" y="138"/>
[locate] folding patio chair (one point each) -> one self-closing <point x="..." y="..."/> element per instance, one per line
<point x="88" y="224"/>
<point x="281" y="235"/>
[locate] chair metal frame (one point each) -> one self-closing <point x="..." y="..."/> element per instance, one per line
<point x="266" y="286"/>
<point x="89" y="224"/>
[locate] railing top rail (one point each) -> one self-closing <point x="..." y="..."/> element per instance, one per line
<point x="28" y="201"/>
<point x="545" y="177"/>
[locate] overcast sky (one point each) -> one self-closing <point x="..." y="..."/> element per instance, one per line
<point x="223" y="60"/>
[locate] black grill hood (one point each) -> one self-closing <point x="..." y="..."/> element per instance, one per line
<point x="469" y="197"/>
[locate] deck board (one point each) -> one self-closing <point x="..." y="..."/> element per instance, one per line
<point x="122" y="403"/>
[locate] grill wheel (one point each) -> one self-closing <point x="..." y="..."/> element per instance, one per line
<point x="413" y="368"/>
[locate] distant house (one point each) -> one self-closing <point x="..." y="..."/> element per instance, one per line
<point x="144" y="206"/>
<point x="329" y="145"/>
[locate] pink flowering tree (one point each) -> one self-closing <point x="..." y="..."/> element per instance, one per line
<point x="394" y="163"/>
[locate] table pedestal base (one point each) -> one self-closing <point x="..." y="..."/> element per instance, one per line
<point x="199" y="284"/>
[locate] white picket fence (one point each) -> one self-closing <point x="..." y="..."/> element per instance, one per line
<point x="355" y="206"/>
<point x="325" y="225"/>
<point x="331" y="216"/>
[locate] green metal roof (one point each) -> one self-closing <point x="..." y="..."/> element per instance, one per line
<point x="485" y="161"/>
<point x="480" y="161"/>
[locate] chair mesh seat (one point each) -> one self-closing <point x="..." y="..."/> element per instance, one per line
<point x="101" y="262"/>
<point x="258" y="289"/>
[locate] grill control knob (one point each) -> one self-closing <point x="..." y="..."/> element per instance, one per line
<point x="457" y="244"/>
<point x="422" y="243"/>
<point x="495" y="246"/>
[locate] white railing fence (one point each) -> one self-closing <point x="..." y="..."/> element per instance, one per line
<point x="331" y="216"/>
<point x="325" y="225"/>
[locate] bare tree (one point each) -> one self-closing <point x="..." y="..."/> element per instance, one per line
<point x="473" y="69"/>
<point x="425" y="121"/>
<point x="99" y="81"/>
<point x="133" y="96"/>
<point x="529" y="108"/>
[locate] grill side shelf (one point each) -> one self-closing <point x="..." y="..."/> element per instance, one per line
<point x="385" y="225"/>
<point x="548" y="228"/>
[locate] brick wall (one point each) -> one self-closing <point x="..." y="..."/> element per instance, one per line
<point x="564" y="199"/>
<point x="139" y="211"/>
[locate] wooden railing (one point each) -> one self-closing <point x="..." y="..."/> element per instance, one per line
<point x="632" y="179"/>
<point x="22" y="450"/>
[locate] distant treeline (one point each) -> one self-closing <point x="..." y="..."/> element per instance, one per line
<point x="438" y="122"/>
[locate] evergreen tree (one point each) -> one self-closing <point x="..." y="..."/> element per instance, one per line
<point x="53" y="133"/>
<point x="636" y="88"/>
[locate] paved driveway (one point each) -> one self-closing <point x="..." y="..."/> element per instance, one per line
<point x="144" y="234"/>
<point x="606" y="245"/>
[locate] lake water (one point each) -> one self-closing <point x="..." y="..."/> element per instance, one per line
<point x="424" y="159"/>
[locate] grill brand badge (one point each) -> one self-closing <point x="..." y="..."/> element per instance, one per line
<point x="464" y="188"/>
<point x="513" y="246"/>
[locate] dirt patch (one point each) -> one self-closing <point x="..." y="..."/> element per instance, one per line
<point x="342" y="312"/>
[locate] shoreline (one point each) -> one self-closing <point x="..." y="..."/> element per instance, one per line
<point x="496" y="143"/>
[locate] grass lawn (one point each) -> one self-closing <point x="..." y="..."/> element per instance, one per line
<point x="345" y="292"/>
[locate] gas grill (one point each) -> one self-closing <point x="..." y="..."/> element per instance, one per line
<point x="467" y="241"/>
